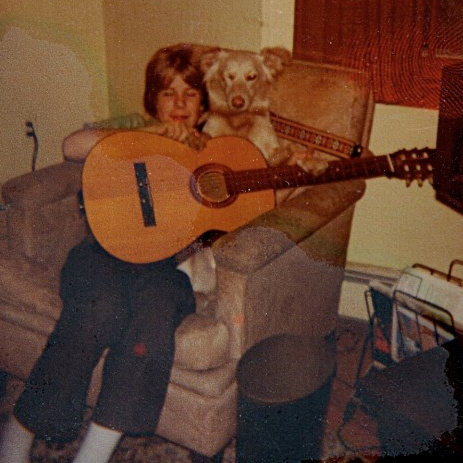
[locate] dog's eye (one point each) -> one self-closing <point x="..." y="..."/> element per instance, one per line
<point x="230" y="76"/>
<point x="251" y="77"/>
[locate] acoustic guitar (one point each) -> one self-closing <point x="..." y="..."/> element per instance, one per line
<point x="148" y="197"/>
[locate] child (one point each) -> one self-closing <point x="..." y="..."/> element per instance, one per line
<point x="132" y="309"/>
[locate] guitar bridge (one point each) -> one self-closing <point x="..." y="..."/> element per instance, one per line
<point x="144" y="194"/>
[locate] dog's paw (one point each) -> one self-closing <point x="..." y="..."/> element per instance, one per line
<point x="309" y="161"/>
<point x="313" y="166"/>
<point x="278" y="156"/>
<point x="198" y="141"/>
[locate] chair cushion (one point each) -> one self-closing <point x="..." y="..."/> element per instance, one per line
<point x="208" y="383"/>
<point x="29" y="285"/>
<point x="201" y="343"/>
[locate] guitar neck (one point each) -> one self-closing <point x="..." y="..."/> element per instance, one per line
<point x="294" y="176"/>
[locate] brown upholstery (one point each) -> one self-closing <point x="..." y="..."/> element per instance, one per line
<point x="280" y="274"/>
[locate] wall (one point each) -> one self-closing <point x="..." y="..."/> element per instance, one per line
<point x="150" y="24"/>
<point x="53" y="73"/>
<point x="277" y="23"/>
<point x="395" y="226"/>
<point x="65" y="63"/>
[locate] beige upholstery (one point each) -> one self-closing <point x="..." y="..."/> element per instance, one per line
<point x="280" y="274"/>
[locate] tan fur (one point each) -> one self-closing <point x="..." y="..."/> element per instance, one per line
<point x="239" y="84"/>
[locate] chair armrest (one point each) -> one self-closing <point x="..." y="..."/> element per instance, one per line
<point x="43" y="216"/>
<point x="297" y="219"/>
<point x="43" y="186"/>
<point x="282" y="273"/>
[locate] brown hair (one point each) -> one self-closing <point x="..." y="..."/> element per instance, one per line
<point x="162" y="69"/>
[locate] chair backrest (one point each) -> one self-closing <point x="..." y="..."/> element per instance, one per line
<point x="44" y="220"/>
<point x="328" y="98"/>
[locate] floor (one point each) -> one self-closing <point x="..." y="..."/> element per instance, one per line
<point x="357" y="436"/>
<point x="354" y="441"/>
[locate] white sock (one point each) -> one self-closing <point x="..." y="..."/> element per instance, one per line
<point x="98" y="445"/>
<point x="16" y="442"/>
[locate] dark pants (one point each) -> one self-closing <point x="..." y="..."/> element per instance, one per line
<point x="131" y="309"/>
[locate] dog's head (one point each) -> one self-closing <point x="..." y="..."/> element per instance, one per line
<point x="240" y="81"/>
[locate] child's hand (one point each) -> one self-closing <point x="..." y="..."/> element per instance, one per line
<point x="197" y="140"/>
<point x="180" y="132"/>
<point x="307" y="161"/>
<point x="175" y="130"/>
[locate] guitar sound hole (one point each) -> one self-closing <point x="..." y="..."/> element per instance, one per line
<point x="209" y="186"/>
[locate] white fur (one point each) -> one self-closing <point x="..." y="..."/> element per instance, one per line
<point x="239" y="85"/>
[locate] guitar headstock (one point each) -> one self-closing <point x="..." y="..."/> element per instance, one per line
<point x="412" y="165"/>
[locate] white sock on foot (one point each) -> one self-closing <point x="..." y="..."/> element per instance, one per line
<point x="16" y="442"/>
<point x="98" y="445"/>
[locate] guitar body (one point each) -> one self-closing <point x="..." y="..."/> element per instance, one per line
<point x="139" y="199"/>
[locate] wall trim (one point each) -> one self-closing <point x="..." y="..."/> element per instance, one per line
<point x="362" y="273"/>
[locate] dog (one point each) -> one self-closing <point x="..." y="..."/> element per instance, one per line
<point x="238" y="84"/>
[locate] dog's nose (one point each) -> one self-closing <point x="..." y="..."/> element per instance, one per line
<point x="238" y="102"/>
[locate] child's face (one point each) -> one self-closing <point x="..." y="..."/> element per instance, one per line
<point x="179" y="103"/>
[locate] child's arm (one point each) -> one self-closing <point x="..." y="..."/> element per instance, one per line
<point x="77" y="145"/>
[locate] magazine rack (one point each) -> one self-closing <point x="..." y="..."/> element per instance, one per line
<point x="449" y="276"/>
<point x="418" y="325"/>
<point x="402" y="324"/>
<point x="410" y="388"/>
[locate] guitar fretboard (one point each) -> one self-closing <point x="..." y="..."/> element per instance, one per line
<point x="294" y="176"/>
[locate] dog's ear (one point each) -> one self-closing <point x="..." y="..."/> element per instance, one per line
<point x="208" y="58"/>
<point x="275" y="59"/>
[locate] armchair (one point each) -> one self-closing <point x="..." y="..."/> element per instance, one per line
<point x="282" y="273"/>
